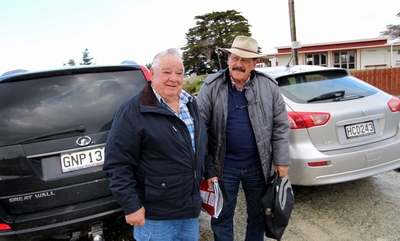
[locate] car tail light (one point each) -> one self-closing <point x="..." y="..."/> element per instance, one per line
<point x="146" y="72"/>
<point x="318" y="164"/>
<point x="4" y="227"/>
<point x="301" y="120"/>
<point x="394" y="104"/>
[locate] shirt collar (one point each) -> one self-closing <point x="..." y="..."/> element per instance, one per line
<point x="240" y="89"/>
<point x="184" y="97"/>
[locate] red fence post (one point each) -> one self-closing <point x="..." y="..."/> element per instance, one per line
<point x="392" y="81"/>
<point x="382" y="77"/>
<point x="374" y="79"/>
<point x="366" y="76"/>
<point x="381" y="80"/>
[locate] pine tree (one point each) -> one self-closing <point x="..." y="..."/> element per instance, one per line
<point x="85" y="58"/>
<point x="215" y="30"/>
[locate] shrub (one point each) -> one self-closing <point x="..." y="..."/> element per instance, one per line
<point x="194" y="86"/>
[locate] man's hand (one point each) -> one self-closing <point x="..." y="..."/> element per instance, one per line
<point x="136" y="218"/>
<point x="211" y="181"/>
<point x="283" y="170"/>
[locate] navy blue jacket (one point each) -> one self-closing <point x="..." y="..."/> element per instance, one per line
<point x="150" y="161"/>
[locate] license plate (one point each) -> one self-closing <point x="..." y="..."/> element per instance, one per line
<point x="360" y="129"/>
<point x="82" y="159"/>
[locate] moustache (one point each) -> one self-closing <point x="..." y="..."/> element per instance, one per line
<point x="238" y="69"/>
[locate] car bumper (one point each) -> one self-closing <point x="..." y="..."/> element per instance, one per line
<point x="343" y="165"/>
<point x="63" y="222"/>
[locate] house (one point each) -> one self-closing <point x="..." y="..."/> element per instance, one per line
<point x="353" y="55"/>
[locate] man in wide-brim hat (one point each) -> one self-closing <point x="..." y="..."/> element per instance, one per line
<point x="248" y="132"/>
<point x="245" y="47"/>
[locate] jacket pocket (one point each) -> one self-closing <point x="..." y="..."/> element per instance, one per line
<point x="163" y="187"/>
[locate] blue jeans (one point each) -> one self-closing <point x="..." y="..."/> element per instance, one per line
<point x="168" y="230"/>
<point x="253" y="184"/>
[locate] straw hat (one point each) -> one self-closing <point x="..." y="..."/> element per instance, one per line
<point x="244" y="47"/>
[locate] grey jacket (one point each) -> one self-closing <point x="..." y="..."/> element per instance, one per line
<point x="268" y="118"/>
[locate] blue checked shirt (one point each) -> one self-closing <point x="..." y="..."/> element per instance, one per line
<point x="183" y="114"/>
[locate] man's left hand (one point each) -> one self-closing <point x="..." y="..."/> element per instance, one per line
<point x="283" y="170"/>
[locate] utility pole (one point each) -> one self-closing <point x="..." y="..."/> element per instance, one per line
<point x="295" y="44"/>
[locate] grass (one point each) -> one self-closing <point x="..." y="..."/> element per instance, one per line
<point x="193" y="84"/>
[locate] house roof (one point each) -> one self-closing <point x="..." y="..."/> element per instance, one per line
<point x="332" y="46"/>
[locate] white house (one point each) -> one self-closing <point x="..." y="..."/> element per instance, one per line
<point x="352" y="55"/>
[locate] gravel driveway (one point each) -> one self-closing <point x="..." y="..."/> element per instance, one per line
<point x="362" y="210"/>
<point x="365" y="210"/>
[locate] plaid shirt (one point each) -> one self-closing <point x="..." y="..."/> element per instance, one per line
<point x="184" y="114"/>
<point x="240" y="89"/>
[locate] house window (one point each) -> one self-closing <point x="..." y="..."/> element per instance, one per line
<point x="316" y="59"/>
<point x="346" y="60"/>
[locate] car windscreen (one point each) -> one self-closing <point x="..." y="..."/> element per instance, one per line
<point x="42" y="106"/>
<point x="323" y="86"/>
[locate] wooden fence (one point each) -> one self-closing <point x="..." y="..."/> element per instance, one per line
<point x="387" y="80"/>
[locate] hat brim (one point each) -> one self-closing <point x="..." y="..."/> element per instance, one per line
<point x="243" y="54"/>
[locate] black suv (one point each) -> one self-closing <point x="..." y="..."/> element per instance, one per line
<point x="53" y="129"/>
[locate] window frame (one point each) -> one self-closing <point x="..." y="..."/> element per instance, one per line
<point x="321" y="58"/>
<point x="345" y="59"/>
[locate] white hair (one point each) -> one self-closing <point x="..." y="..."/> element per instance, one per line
<point x="169" y="52"/>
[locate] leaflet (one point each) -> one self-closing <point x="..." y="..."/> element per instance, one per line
<point x="211" y="199"/>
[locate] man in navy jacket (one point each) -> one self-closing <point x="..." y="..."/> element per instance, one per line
<point x="156" y="156"/>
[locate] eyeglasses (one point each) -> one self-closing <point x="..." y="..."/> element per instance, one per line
<point x="236" y="105"/>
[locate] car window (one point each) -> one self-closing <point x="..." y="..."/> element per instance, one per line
<point x="46" y="105"/>
<point x="302" y="87"/>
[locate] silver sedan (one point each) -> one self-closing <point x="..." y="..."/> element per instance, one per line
<point x="342" y="128"/>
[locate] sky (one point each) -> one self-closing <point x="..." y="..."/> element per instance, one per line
<point x="40" y="34"/>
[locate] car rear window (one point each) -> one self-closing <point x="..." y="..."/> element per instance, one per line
<point x="301" y="88"/>
<point x="43" y="106"/>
